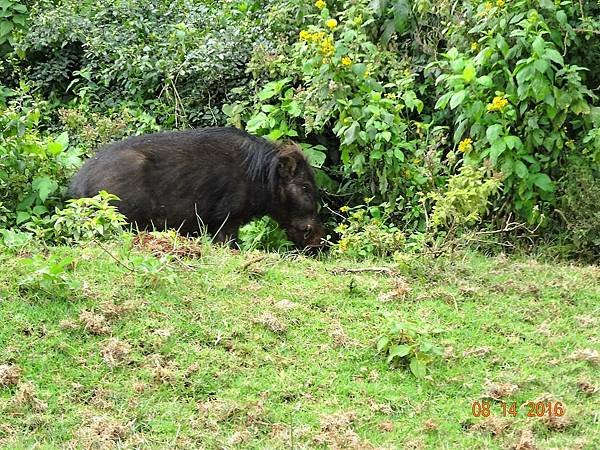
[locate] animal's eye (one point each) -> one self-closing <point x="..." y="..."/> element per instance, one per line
<point x="305" y="188"/>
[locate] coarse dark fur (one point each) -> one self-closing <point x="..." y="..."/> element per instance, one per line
<point x="217" y="178"/>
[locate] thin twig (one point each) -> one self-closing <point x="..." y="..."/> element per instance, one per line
<point x="586" y="30"/>
<point x="113" y="256"/>
<point x="385" y="270"/>
<point x="251" y="261"/>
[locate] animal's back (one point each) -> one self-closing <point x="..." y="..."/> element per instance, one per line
<point x="166" y="179"/>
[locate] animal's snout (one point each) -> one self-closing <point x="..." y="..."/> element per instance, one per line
<point x="307" y="231"/>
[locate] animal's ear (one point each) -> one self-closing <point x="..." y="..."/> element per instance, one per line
<point x="287" y="166"/>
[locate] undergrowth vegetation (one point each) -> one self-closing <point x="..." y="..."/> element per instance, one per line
<point x="391" y="100"/>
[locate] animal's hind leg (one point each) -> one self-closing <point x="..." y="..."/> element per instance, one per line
<point x="229" y="236"/>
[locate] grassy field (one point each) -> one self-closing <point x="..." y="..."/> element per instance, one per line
<point x="215" y="349"/>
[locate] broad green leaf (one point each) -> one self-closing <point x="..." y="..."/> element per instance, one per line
<point x="399" y="351"/>
<point x="359" y="69"/>
<point x="382" y="343"/>
<point x="554" y="55"/>
<point x="485" y="81"/>
<point x="544" y="182"/>
<point x="418" y="368"/>
<point x="443" y="100"/>
<point x="513" y="142"/>
<point x="521" y="169"/>
<point x="469" y="73"/>
<point x="539" y="45"/>
<point x="351" y="133"/>
<point x="457" y="98"/>
<point x="316" y="158"/>
<point x="44" y="187"/>
<point x="493" y="132"/>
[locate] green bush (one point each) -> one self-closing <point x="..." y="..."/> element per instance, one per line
<point x="178" y="59"/>
<point x="34" y="169"/>
<point x="82" y="219"/>
<point x="579" y="193"/>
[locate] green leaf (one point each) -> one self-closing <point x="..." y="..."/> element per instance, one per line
<point x="493" y="133"/>
<point x="443" y="101"/>
<point x="539" y="45"/>
<point x="382" y="343"/>
<point x="513" y="142"/>
<point x="22" y="216"/>
<point x="497" y="149"/>
<point x="399" y="351"/>
<point x="44" y="187"/>
<point x="359" y="69"/>
<point x="351" y="133"/>
<point x="457" y="98"/>
<point x="553" y="55"/>
<point x="485" y="81"/>
<point x="544" y="182"/>
<point x="469" y="73"/>
<point x="316" y="158"/>
<point x="521" y="169"/>
<point x="418" y="368"/>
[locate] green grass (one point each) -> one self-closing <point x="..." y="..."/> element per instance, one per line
<point x="203" y="354"/>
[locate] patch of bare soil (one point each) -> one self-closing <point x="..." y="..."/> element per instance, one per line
<point x="100" y="433"/>
<point x="526" y="441"/>
<point x="337" y="433"/>
<point x="498" y="391"/>
<point x="115" y="351"/>
<point x="586" y="354"/>
<point x="271" y="322"/>
<point x="94" y="323"/>
<point x="557" y="423"/>
<point x="494" y="425"/>
<point x="160" y="244"/>
<point x="27" y="396"/>
<point x="400" y="291"/>
<point x="587" y="388"/>
<point x="477" y="352"/>
<point x="9" y="375"/>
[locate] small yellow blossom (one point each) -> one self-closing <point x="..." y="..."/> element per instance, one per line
<point x="391" y="95"/>
<point x="466" y="145"/>
<point x="343" y="245"/>
<point x="358" y="20"/>
<point x="305" y="35"/>
<point x="320" y="4"/>
<point x="488" y="6"/>
<point x="500" y="3"/>
<point x="474" y="46"/>
<point x="498" y="104"/>
<point x="345" y="208"/>
<point x="318" y="36"/>
<point x="327" y="48"/>
<point x="331" y="23"/>
<point x="346" y="61"/>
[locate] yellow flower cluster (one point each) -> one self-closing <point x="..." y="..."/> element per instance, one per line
<point x="391" y="95"/>
<point x="500" y="3"/>
<point x="466" y="145"/>
<point x="327" y="47"/>
<point x="498" y="104"/>
<point x="320" y="4"/>
<point x="345" y="208"/>
<point x="312" y="37"/>
<point x="488" y="6"/>
<point x="331" y="23"/>
<point x="474" y="46"/>
<point x="346" y="61"/>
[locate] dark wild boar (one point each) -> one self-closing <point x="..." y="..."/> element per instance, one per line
<point x="213" y="178"/>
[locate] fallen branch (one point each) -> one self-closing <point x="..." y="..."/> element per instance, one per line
<point x="385" y="270"/>
<point x="251" y="261"/>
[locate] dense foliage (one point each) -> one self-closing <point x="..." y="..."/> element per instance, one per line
<point x="446" y="117"/>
